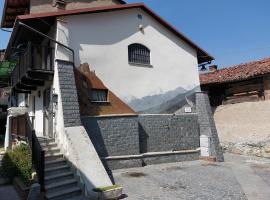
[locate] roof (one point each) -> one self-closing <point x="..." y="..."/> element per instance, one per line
<point x="203" y="56"/>
<point x="13" y="8"/>
<point x="237" y="73"/>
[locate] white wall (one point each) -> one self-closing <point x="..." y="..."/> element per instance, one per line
<point x="102" y="40"/>
<point x="38" y="114"/>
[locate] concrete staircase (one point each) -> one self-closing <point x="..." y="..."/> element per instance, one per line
<point x="60" y="181"/>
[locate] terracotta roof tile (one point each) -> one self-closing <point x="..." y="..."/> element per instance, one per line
<point x="237" y="72"/>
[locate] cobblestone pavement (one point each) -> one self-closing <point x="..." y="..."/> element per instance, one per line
<point x="195" y="180"/>
<point x="8" y="192"/>
<point x="253" y="174"/>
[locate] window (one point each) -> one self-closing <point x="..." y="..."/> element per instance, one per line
<point x="138" y="54"/>
<point x="98" y="95"/>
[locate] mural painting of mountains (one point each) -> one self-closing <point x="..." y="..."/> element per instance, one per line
<point x="169" y="102"/>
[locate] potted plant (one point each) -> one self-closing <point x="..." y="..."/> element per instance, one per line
<point x="109" y="192"/>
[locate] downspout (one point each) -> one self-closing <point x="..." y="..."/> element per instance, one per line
<point x="50" y="38"/>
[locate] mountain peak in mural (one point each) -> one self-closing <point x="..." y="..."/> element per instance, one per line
<point x="149" y="102"/>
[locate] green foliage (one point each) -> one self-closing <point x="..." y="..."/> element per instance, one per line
<point x="17" y="163"/>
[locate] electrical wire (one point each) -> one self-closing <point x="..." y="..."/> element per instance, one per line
<point x="6" y="30"/>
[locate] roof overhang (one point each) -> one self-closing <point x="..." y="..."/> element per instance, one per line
<point x="202" y="55"/>
<point x="13" y="8"/>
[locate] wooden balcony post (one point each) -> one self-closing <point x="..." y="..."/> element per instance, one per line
<point x="29" y="56"/>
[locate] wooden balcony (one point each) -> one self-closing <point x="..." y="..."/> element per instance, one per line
<point x="35" y="66"/>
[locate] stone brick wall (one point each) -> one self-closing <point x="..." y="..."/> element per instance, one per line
<point x="168" y="132"/>
<point x="69" y="95"/>
<point x="113" y="136"/>
<point x="207" y="124"/>
<point x="133" y="135"/>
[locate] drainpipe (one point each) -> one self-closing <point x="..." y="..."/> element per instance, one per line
<point x="50" y="38"/>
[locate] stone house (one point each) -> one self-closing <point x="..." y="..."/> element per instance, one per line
<point x="109" y="79"/>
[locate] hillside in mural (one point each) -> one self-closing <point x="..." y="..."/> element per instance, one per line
<point x="169" y="102"/>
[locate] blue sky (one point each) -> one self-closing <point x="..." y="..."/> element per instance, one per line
<point x="232" y="31"/>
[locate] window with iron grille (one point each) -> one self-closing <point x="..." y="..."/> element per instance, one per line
<point x="138" y="54"/>
<point x="98" y="95"/>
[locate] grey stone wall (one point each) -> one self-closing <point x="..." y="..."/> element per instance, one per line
<point x="113" y="136"/>
<point x="168" y="132"/>
<point x="71" y="110"/>
<point x="207" y="124"/>
<point x="137" y="135"/>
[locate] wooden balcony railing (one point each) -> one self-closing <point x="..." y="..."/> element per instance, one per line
<point x="35" y="63"/>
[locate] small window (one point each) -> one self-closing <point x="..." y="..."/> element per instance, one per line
<point x="99" y="95"/>
<point x="138" y="54"/>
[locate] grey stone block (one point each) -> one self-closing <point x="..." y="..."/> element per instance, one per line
<point x="207" y="124"/>
<point x="69" y="95"/>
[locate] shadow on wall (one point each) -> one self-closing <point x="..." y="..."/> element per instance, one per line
<point x="86" y="81"/>
<point x="97" y="138"/>
<point x="143" y="137"/>
<point x="134" y="135"/>
<point x="83" y="179"/>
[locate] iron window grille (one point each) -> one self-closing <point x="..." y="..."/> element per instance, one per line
<point x="138" y="54"/>
<point x="99" y="95"/>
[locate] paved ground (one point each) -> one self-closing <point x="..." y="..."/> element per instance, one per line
<point x="253" y="174"/>
<point x="8" y="193"/>
<point x="237" y="178"/>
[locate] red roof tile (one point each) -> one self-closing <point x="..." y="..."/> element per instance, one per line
<point x="237" y="72"/>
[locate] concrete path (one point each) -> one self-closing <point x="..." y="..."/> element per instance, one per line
<point x="247" y="171"/>
<point x="194" y="180"/>
<point x="8" y="192"/>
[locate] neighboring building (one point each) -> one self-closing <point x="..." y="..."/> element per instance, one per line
<point x="245" y="82"/>
<point x="138" y="64"/>
<point x="240" y="97"/>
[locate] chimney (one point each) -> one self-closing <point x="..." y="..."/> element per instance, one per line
<point x="60" y="4"/>
<point x="84" y="68"/>
<point x="213" y="68"/>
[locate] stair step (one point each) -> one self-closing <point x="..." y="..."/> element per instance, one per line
<point x="58" y="177"/>
<point x="61" y="185"/>
<point x="51" y="150"/>
<point x="64" y="194"/>
<point x="53" y="157"/>
<point x="58" y="169"/>
<point x="47" y="154"/>
<point x="46" y="140"/>
<point x="56" y="162"/>
<point x="51" y="145"/>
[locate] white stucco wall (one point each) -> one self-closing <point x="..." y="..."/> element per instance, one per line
<point x="102" y="40"/>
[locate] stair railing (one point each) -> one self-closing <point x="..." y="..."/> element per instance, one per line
<point x="38" y="154"/>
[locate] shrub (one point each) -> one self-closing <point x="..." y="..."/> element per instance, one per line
<point x="17" y="163"/>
